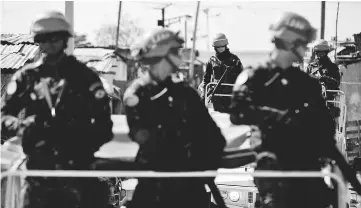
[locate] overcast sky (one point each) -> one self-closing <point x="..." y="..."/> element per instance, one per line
<point x="244" y="22"/>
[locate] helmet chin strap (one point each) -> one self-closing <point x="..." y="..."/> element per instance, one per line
<point x="294" y="51"/>
<point x="174" y="67"/>
<point x="152" y="76"/>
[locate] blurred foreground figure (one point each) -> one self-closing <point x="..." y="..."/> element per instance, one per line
<point x="172" y="127"/>
<point x="297" y="129"/>
<point x="67" y="118"/>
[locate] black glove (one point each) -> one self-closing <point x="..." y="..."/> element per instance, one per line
<point x="30" y="131"/>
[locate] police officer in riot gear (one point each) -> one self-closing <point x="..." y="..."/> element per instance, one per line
<point x="323" y="68"/>
<point x="67" y="118"/>
<point x="326" y="72"/>
<point x="297" y="129"/>
<point x="224" y="67"/>
<point x="171" y="125"/>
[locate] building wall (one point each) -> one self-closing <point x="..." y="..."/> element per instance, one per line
<point x="351" y="85"/>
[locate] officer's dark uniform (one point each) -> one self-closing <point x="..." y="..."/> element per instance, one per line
<point x="216" y="66"/>
<point x="67" y="141"/>
<point x="291" y="141"/>
<point x="327" y="72"/>
<point x="175" y="133"/>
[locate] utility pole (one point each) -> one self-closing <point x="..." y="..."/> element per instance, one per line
<point x="206" y="11"/>
<point x="161" y="22"/>
<point x="185" y="33"/>
<point x="193" y="51"/>
<point x="173" y="20"/>
<point x="69" y="15"/>
<point x="118" y="26"/>
<point x="163" y="18"/>
<point x="338" y="8"/>
<point x="323" y="9"/>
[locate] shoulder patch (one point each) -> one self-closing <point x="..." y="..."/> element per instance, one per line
<point x="100" y="93"/>
<point x="98" y="90"/>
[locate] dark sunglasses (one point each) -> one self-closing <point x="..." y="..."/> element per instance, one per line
<point x="47" y="39"/>
<point x="280" y="44"/>
<point x="51" y="37"/>
<point x="155" y="60"/>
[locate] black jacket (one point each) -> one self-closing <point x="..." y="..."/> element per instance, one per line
<point x="326" y="72"/>
<point x="288" y="107"/>
<point x="175" y="133"/>
<point x="82" y="121"/>
<point x="307" y="124"/>
<point x="217" y="65"/>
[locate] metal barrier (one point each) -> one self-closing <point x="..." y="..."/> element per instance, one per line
<point x="342" y="189"/>
<point x="219" y="95"/>
<point x="341" y="103"/>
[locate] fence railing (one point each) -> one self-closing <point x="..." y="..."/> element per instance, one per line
<point x="218" y="94"/>
<point x="11" y="200"/>
<point x="340" y="102"/>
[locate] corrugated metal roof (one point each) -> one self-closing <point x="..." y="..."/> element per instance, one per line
<point x="6" y="49"/>
<point x="15" y="56"/>
<point x="17" y="38"/>
<point x="16" y="50"/>
<point x="88" y="54"/>
<point x="27" y="50"/>
<point x="99" y="58"/>
<point x="13" y="61"/>
<point x="103" y="65"/>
